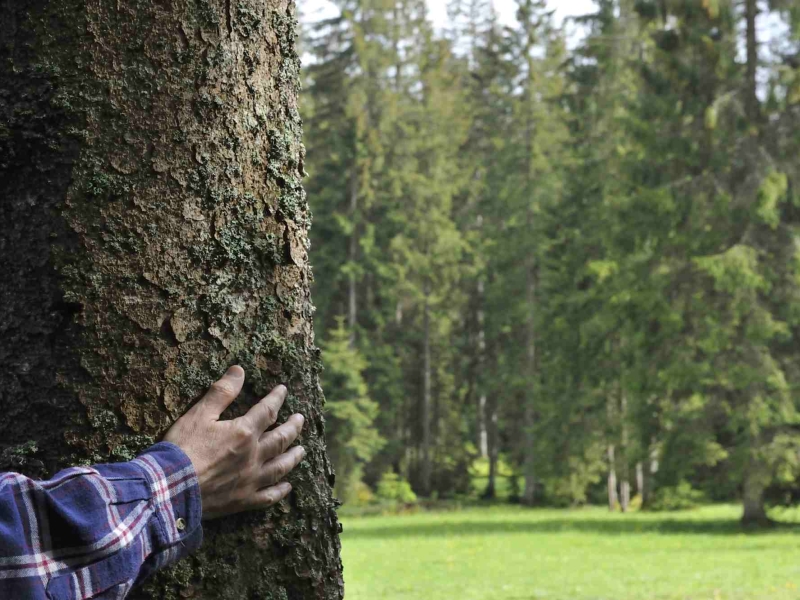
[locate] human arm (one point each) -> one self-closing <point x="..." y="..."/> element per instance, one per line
<point x="94" y="532"/>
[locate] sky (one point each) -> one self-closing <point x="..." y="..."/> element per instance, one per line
<point x="438" y="9"/>
<point x="770" y="29"/>
<point x="506" y="9"/>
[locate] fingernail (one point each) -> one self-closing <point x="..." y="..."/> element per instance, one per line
<point x="282" y="389"/>
<point x="300" y="418"/>
<point x="302" y="451"/>
<point x="287" y="486"/>
<point x="235" y="371"/>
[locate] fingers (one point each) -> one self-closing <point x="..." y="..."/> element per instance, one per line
<point x="278" y="468"/>
<point x="276" y="442"/>
<point x="223" y="392"/>
<point x="271" y="495"/>
<point x="265" y="413"/>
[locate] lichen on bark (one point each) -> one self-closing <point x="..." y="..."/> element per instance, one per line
<point x="154" y="230"/>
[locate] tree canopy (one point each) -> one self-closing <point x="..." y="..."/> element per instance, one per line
<point x="576" y="259"/>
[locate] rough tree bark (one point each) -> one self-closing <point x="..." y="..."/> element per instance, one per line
<point x="153" y="231"/>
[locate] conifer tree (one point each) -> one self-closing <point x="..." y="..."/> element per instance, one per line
<point x="580" y="260"/>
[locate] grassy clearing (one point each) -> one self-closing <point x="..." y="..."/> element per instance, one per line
<point x="506" y="553"/>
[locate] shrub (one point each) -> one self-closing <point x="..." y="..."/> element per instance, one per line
<point x="394" y="488"/>
<point x="679" y="497"/>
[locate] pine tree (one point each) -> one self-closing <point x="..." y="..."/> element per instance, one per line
<point x="533" y="162"/>
<point x="725" y="252"/>
<point x="426" y="247"/>
<point x="353" y="439"/>
<point x="476" y="36"/>
<point x="579" y="260"/>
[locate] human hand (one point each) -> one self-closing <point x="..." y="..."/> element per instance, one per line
<point x="239" y="463"/>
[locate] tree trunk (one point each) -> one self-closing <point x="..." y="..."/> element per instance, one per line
<point x="493" y="439"/>
<point x="640" y="479"/>
<point x="153" y="231"/>
<point x="650" y="475"/>
<point x="426" y="399"/>
<point x="529" y="461"/>
<point x="483" y="431"/>
<point x="352" y="290"/>
<point x="625" y="479"/>
<point x="751" y="93"/>
<point x="488" y="441"/>
<point x="613" y="499"/>
<point x="753" y="488"/>
<point x="624" y="490"/>
<point x="529" y="450"/>
<point x="494" y="453"/>
<point x="480" y="376"/>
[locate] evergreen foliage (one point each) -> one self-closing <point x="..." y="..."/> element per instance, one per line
<point x="579" y="255"/>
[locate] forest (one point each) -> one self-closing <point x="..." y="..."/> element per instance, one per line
<point x="558" y="269"/>
<point x="491" y="305"/>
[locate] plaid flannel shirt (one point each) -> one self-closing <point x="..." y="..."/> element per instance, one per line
<point x="96" y="532"/>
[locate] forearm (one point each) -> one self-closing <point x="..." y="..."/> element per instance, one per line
<point x="96" y="532"/>
<point x="92" y="530"/>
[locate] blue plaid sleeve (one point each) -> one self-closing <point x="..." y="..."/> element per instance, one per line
<point x="96" y="532"/>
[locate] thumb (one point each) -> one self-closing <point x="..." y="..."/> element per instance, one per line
<point x="223" y="392"/>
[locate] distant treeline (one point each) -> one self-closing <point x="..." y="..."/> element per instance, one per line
<point x="580" y="264"/>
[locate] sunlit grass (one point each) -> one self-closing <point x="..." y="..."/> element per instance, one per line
<point x="505" y="553"/>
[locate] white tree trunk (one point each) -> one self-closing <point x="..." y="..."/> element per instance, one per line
<point x="613" y="498"/>
<point x="625" y="483"/>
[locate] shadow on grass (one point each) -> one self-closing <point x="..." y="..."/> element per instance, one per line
<point x="606" y="526"/>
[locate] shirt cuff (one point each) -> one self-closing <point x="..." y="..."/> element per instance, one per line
<point x="176" y="499"/>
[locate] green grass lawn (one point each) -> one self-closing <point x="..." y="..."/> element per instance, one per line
<point x="505" y="553"/>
